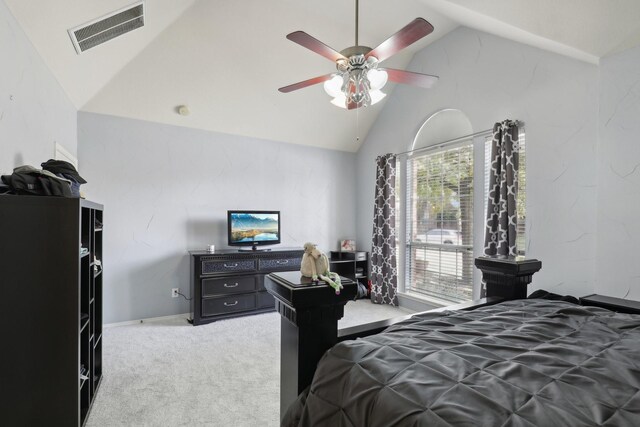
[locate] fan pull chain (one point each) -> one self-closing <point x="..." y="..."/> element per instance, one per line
<point x="357" y="125"/>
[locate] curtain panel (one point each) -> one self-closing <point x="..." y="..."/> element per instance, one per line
<point x="384" y="270"/>
<point x="502" y="220"/>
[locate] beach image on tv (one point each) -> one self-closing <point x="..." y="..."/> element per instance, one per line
<point x="254" y="227"/>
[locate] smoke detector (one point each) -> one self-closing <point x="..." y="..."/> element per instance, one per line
<point x="101" y="30"/>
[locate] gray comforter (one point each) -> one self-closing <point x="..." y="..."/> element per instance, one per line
<point x="519" y="363"/>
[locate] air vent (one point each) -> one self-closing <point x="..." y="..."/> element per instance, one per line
<point x="108" y="27"/>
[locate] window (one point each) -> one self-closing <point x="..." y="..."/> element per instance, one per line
<point x="439" y="216"/>
<point x="439" y="221"/>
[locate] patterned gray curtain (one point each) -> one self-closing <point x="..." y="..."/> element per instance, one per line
<point x="384" y="271"/>
<point x="502" y="221"/>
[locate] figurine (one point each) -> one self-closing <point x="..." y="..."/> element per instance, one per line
<point x="315" y="264"/>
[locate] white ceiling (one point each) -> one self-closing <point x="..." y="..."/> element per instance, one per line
<point x="583" y="29"/>
<point x="226" y="59"/>
<point x="46" y="23"/>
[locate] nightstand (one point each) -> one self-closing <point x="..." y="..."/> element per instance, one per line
<point x="610" y="303"/>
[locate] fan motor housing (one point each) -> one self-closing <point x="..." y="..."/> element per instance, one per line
<point x="356" y="59"/>
<point x="355" y="50"/>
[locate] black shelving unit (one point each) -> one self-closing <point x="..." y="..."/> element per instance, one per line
<point x="51" y="309"/>
<point x="352" y="265"/>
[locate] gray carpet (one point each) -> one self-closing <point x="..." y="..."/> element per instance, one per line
<point x="169" y="373"/>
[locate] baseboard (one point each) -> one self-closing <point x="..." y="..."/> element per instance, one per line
<point x="186" y="316"/>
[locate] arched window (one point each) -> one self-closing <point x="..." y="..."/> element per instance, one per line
<point x="442" y="207"/>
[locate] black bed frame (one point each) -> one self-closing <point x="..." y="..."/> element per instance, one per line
<point x="310" y="314"/>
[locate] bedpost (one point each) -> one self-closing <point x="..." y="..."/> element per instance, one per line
<point x="309" y="327"/>
<point x="507" y="277"/>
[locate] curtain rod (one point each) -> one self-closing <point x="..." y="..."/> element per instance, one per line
<point x="454" y="140"/>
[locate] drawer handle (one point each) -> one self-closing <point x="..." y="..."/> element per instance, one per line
<point x="283" y="261"/>
<point x="226" y="285"/>
<point x="230" y="265"/>
<point x="226" y="304"/>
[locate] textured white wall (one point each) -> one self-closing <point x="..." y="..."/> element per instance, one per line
<point x="34" y="110"/>
<point x="619" y="176"/>
<point x="490" y="79"/>
<point x="166" y="190"/>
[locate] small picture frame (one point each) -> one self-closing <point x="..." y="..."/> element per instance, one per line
<point x="347" y="245"/>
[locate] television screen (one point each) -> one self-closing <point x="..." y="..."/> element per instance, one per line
<point x="253" y="228"/>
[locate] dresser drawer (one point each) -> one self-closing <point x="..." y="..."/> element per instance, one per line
<point x="228" y="285"/>
<point x="230" y="304"/>
<point x="265" y="299"/>
<point x="272" y="264"/>
<point x="217" y="266"/>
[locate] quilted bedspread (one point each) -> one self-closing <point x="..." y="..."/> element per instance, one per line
<point x="518" y="363"/>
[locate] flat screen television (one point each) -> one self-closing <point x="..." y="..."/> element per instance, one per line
<point x="253" y="228"/>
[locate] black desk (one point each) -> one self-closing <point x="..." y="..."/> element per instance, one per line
<point x="309" y="326"/>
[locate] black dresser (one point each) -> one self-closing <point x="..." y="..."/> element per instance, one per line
<point x="229" y="283"/>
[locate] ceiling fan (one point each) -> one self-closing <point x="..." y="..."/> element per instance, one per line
<point x="359" y="80"/>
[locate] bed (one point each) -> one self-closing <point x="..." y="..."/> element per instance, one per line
<point x="502" y="360"/>
<point x="517" y="363"/>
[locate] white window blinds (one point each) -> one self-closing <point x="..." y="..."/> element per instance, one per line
<point x="439" y="224"/>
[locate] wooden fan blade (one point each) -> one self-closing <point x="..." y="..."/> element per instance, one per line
<point x="311" y="43"/>
<point x="414" y="31"/>
<point x="409" y="78"/>
<point x="305" y="83"/>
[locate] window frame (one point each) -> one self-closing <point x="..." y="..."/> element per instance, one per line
<point x="479" y="210"/>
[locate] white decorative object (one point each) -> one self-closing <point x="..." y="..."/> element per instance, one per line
<point x="315" y="265"/>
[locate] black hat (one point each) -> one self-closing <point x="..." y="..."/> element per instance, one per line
<point x="65" y="168"/>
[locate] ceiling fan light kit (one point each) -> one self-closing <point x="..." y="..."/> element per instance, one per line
<point x="355" y="81"/>
<point x="359" y="81"/>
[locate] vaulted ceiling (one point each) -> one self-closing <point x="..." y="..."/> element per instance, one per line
<point x="226" y="59"/>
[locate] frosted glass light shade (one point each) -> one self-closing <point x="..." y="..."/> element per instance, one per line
<point x="376" y="96"/>
<point x="377" y="78"/>
<point x="333" y="86"/>
<point x="340" y="100"/>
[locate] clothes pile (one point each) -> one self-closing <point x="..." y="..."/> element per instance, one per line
<point x="56" y="178"/>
